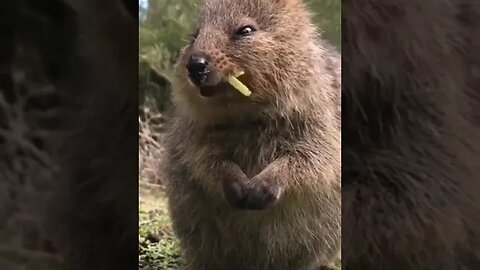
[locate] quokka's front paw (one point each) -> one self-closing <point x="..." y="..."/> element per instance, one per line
<point x="255" y="194"/>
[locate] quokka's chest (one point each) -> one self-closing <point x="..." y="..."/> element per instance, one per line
<point x="251" y="149"/>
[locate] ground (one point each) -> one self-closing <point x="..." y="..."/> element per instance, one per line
<point x="159" y="250"/>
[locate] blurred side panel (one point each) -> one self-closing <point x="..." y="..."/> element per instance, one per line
<point x="410" y="130"/>
<point x="68" y="134"/>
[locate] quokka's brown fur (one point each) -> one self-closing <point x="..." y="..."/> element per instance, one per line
<point x="277" y="150"/>
<point x="410" y="152"/>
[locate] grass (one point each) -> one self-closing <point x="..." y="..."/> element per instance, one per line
<point x="159" y="249"/>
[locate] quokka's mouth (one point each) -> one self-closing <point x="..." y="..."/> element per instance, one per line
<point x="238" y="85"/>
<point x="210" y="91"/>
<point x="230" y="83"/>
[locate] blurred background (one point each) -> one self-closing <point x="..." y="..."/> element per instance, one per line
<point x="164" y="28"/>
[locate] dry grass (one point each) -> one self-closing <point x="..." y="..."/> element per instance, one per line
<point x="150" y="147"/>
<point x="158" y="247"/>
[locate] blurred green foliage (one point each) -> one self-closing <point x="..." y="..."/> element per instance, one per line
<point x="166" y="24"/>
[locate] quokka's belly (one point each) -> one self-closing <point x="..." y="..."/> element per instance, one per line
<point x="284" y="237"/>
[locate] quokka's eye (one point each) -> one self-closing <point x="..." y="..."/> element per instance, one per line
<point x="246" y="30"/>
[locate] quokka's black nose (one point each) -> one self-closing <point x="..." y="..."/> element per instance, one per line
<point x="198" y="70"/>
